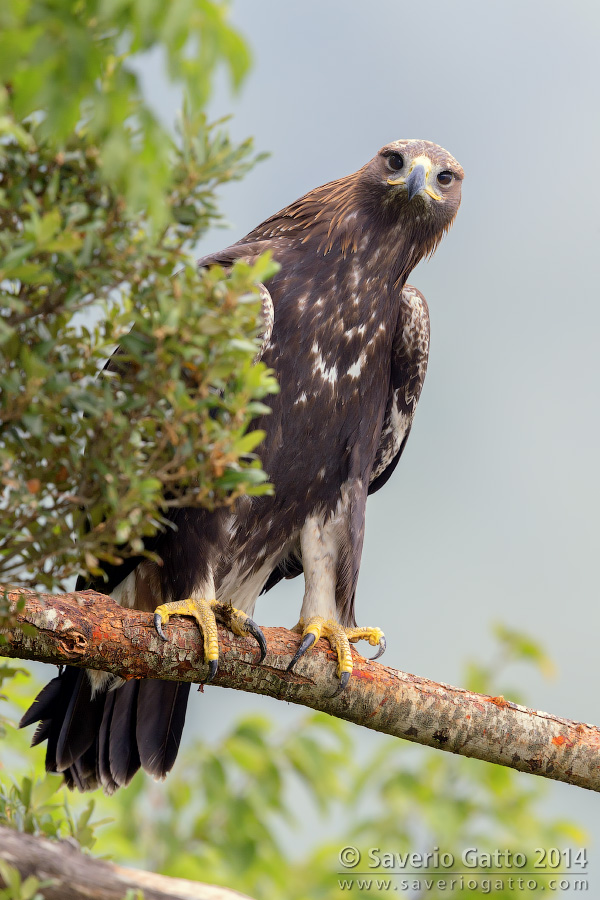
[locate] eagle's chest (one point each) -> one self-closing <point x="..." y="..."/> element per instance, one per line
<point x="331" y="352"/>
<point x="332" y="332"/>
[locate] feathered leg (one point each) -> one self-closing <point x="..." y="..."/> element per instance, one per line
<point x="331" y="547"/>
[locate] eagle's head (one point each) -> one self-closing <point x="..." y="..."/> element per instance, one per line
<point x="401" y="203"/>
<point x="414" y="179"/>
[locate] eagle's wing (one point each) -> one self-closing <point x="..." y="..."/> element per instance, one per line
<point x="410" y="350"/>
<point x="268" y="319"/>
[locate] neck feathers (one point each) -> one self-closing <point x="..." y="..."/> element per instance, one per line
<point x="353" y="216"/>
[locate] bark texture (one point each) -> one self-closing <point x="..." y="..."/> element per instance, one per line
<point x="76" y="876"/>
<point x="89" y="629"/>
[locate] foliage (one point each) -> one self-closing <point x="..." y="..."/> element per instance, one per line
<point x="75" y="61"/>
<point x="17" y="889"/>
<point x="85" y="268"/>
<point x="232" y="812"/>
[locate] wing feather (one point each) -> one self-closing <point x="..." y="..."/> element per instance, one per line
<point x="410" y="352"/>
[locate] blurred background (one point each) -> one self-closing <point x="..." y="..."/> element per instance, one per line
<point x="493" y="513"/>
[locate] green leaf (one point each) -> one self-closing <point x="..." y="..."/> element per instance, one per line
<point x="249" y="442"/>
<point x="521" y="646"/>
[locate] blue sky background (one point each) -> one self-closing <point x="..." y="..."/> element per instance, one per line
<point x="493" y="513"/>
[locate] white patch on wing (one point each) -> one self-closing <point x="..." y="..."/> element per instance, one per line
<point x="301" y="399"/>
<point x="356" y="330"/>
<point x="328" y="373"/>
<point x="399" y="424"/>
<point x="268" y="317"/>
<point x="356" y="368"/>
<point x="392" y="435"/>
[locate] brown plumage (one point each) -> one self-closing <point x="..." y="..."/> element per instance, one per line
<point x="349" y="341"/>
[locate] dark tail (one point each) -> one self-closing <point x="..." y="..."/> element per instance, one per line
<point x="102" y="740"/>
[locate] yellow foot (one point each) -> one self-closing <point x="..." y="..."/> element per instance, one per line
<point x="207" y="613"/>
<point x="340" y="639"/>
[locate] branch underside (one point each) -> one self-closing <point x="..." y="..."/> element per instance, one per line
<point x="74" y="875"/>
<point x="91" y="630"/>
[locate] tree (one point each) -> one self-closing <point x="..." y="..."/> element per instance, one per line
<point x="231" y="811"/>
<point x="99" y="208"/>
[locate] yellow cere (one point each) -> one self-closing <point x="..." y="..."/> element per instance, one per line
<point x="427" y="165"/>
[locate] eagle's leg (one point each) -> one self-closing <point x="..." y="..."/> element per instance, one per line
<point x="340" y="639"/>
<point x="320" y="541"/>
<point x="207" y="613"/>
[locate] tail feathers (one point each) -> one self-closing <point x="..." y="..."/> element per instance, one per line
<point x="43" y="706"/>
<point x="80" y="725"/>
<point x="105" y="775"/>
<point x="123" y="754"/>
<point x="50" y="709"/>
<point x="83" y="774"/>
<point x="42" y="732"/>
<point x="160" y="721"/>
<point x="103" y="740"/>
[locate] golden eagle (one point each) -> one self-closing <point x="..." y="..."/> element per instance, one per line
<point x="348" y="340"/>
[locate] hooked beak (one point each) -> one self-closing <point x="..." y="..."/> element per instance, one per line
<point x="416" y="181"/>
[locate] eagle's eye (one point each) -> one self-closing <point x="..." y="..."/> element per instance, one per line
<point x="395" y="161"/>
<point x="445" y="177"/>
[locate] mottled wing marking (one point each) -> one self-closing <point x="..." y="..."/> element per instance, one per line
<point x="268" y="318"/>
<point x="409" y="364"/>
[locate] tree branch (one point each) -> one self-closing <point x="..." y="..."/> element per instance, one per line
<point x="89" y="629"/>
<point x="76" y="876"/>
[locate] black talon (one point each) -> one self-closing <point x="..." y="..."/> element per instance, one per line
<point x="158" y="626"/>
<point x="344" y="679"/>
<point x="257" y="634"/>
<point x="212" y="670"/>
<point x="382" y="648"/>
<point x="307" y="641"/>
